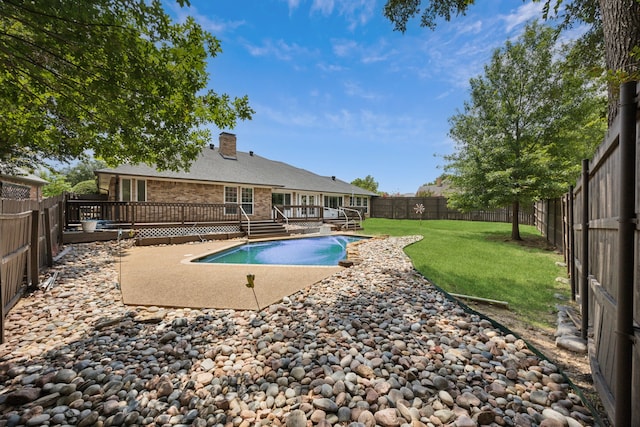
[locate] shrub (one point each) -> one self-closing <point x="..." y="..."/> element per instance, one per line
<point x="85" y="187"/>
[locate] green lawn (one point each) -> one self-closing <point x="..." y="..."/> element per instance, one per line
<point x="479" y="259"/>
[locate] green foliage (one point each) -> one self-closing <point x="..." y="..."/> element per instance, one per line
<point x="83" y="171"/>
<point x="57" y="185"/>
<point x="399" y="12"/>
<point x="114" y="76"/>
<point x="516" y="137"/>
<point x="367" y="183"/>
<point x="521" y="274"/>
<point x="85" y="187"/>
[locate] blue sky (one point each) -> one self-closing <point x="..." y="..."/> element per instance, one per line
<point x="336" y="91"/>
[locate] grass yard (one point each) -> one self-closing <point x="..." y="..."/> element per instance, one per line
<point x="479" y="259"/>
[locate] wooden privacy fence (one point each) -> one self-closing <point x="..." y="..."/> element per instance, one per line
<point x="598" y="222"/>
<point x="30" y="235"/>
<point x="549" y="219"/>
<point x="436" y="208"/>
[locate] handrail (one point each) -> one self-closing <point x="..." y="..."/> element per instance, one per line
<point x="339" y="211"/>
<point x="286" y="219"/>
<point x="353" y="210"/>
<point x="248" y="220"/>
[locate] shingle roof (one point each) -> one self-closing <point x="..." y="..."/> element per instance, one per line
<point x="249" y="169"/>
<point x="26" y="177"/>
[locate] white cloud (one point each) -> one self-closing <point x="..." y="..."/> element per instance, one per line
<point x="324" y="6"/>
<point x="344" y="47"/>
<point x="355" y="12"/>
<point x="523" y="14"/>
<point x="293" y="4"/>
<point x="376" y="52"/>
<point x="354" y="89"/>
<point x="291" y="117"/>
<point x="278" y="49"/>
<point x="213" y="25"/>
<point x="470" y="28"/>
<point x="331" y="68"/>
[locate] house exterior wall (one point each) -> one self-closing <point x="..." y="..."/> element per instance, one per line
<point x="184" y="192"/>
<point x="35" y="191"/>
<point x="261" y="203"/>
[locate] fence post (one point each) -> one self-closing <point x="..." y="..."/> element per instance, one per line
<point x="33" y="259"/>
<point x="626" y="254"/>
<point x="584" y="277"/>
<point x="572" y="248"/>
<point x="47" y="236"/>
<point x="61" y="223"/>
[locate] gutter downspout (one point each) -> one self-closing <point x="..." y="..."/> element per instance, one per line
<point x="626" y="255"/>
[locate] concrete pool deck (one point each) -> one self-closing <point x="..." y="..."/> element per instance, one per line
<point x="164" y="276"/>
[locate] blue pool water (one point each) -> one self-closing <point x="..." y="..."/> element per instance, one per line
<point x="326" y="250"/>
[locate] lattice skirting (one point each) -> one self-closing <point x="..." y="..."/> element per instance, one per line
<point x="187" y="231"/>
<point x="302" y="225"/>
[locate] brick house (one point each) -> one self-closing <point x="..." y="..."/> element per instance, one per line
<point x="224" y="175"/>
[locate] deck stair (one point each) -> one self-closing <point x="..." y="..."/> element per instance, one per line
<point x="263" y="229"/>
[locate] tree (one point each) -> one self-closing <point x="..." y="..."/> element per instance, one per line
<point x="83" y="170"/>
<point x="368" y="183"/>
<point x="512" y="144"/>
<point x="615" y="24"/>
<point x="57" y="185"/>
<point x="117" y="77"/>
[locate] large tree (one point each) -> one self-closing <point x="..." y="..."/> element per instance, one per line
<point x="615" y="24"/>
<point x="117" y="77"/>
<point x="513" y="143"/>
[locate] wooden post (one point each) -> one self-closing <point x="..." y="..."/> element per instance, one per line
<point x="572" y="248"/>
<point x="584" y="277"/>
<point x="34" y="267"/>
<point x="47" y="236"/>
<point x="61" y="222"/>
<point x="626" y="255"/>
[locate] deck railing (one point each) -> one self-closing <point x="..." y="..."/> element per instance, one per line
<point x="132" y="213"/>
<point x="300" y="212"/>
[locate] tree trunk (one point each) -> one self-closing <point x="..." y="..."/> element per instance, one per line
<point x="621" y="25"/>
<point x="515" y="223"/>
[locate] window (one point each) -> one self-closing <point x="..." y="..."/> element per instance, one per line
<point x="231" y="196"/>
<point x="332" y="202"/>
<point x="142" y="190"/>
<point x="133" y="190"/>
<point x="281" y="199"/>
<point x="360" y="202"/>
<point x="126" y="190"/>
<point x="247" y="200"/>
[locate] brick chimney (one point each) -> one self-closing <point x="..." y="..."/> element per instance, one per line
<point x="228" y="145"/>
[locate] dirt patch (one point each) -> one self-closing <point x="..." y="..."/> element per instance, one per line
<point x="575" y="366"/>
<point x="536" y="242"/>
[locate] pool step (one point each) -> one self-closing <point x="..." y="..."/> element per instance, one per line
<point x="262" y="229"/>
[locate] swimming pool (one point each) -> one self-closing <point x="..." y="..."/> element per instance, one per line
<point x="325" y="250"/>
